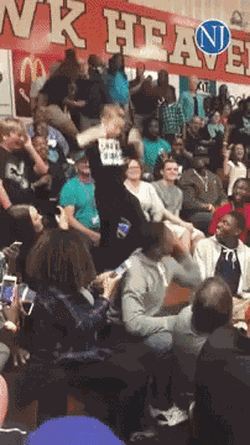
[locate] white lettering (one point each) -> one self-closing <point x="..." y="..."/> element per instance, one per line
<point x="232" y="57"/>
<point x="204" y="31"/>
<point x="185" y="49"/>
<point x="21" y="23"/>
<point x="58" y="24"/>
<point x="210" y="60"/>
<point x="152" y="40"/>
<point x="221" y="36"/>
<point x="115" y="33"/>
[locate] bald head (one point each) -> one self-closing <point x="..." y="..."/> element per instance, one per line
<point x="193" y="83"/>
<point x="212" y="306"/>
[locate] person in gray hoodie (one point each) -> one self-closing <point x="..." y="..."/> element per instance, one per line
<point x="145" y="307"/>
<point x="146" y="312"/>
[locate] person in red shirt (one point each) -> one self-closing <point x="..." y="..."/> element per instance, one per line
<point x="241" y="192"/>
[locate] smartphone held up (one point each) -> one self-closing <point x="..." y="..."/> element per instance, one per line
<point x="8" y="290"/>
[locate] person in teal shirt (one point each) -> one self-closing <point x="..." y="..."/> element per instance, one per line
<point x="78" y="199"/>
<point x="192" y="102"/>
<point x="117" y="85"/>
<point x="153" y="145"/>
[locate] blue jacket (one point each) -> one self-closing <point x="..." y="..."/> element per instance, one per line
<point x="63" y="327"/>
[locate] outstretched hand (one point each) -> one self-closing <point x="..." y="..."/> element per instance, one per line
<point x="173" y="246"/>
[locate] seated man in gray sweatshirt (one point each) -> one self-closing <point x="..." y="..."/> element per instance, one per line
<point x="144" y="306"/>
<point x="211" y="309"/>
<point x="145" y="296"/>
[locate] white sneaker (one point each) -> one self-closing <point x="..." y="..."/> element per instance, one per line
<point x="171" y="417"/>
<point x="191" y="409"/>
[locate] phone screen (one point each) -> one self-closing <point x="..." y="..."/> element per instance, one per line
<point x="17" y="243"/>
<point x="8" y="288"/>
<point x="121" y="270"/>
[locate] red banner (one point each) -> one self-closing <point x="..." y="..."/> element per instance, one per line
<point x="39" y="31"/>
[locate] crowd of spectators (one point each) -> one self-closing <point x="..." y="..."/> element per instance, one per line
<point x="118" y="195"/>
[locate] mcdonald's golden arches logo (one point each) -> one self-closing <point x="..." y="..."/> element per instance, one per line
<point x="34" y="66"/>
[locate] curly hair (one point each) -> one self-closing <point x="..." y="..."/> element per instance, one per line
<point x="60" y="258"/>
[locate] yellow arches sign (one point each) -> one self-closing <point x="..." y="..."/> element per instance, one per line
<point x="34" y="67"/>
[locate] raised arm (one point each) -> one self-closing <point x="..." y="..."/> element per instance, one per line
<point x="91" y="135"/>
<point x="228" y="130"/>
<point x="89" y="318"/>
<point x="222" y="194"/>
<point x="134" y="137"/>
<point x="183" y="270"/>
<point x="112" y="124"/>
<point x="40" y="167"/>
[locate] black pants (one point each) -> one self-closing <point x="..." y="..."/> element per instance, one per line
<point x="50" y="384"/>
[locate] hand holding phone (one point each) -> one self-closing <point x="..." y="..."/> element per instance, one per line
<point x="110" y="288"/>
<point x="10" y="303"/>
<point x="16" y="244"/>
<point x="120" y="271"/>
<point x="8" y="289"/>
<point x="26" y="299"/>
<point x="13" y="250"/>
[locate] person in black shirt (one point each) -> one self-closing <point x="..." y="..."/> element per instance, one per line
<point x="196" y="135"/>
<point x="17" y="157"/>
<point x="49" y="186"/>
<point x="122" y="219"/>
<point x="221" y="413"/>
<point x="94" y="91"/>
<point x="183" y="157"/>
<point x="238" y="128"/>
<point x="54" y="95"/>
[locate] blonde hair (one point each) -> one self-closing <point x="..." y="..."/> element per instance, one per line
<point x="10" y="124"/>
<point x="111" y="112"/>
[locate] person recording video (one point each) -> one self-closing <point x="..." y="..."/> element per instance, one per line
<point x="9" y="308"/>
